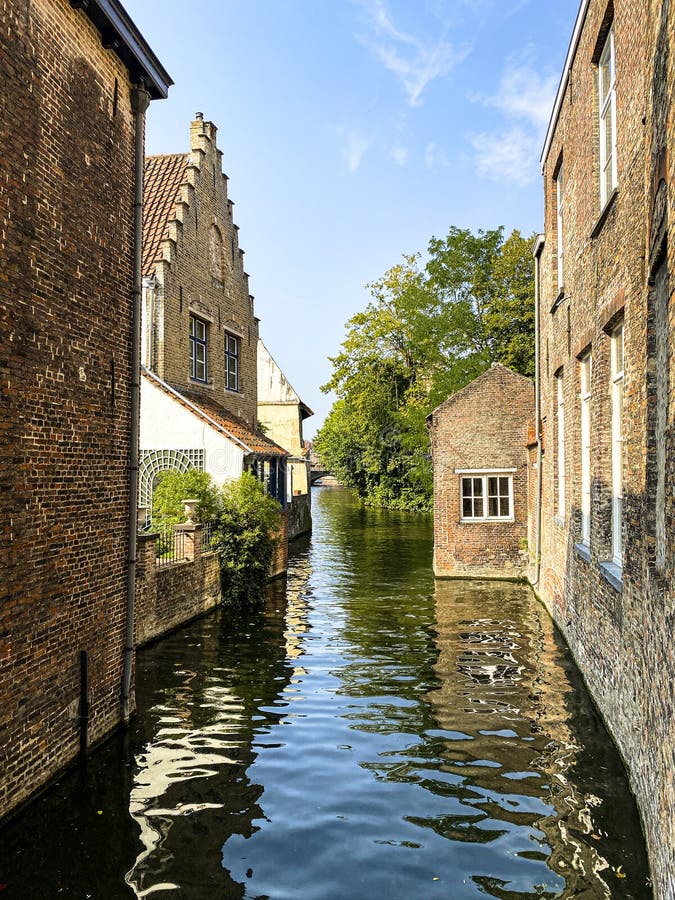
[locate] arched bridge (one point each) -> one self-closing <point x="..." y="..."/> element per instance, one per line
<point x="317" y="474"/>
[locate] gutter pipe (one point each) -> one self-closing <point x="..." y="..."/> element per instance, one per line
<point x="538" y="247"/>
<point x="140" y="100"/>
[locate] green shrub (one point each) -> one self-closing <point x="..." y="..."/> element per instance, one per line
<point x="244" y="539"/>
<point x="174" y="487"/>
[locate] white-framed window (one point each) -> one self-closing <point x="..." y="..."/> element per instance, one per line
<point x="486" y="496"/>
<point x="560" y="425"/>
<point x="559" y="224"/>
<point x="198" y="349"/>
<point x="607" y="109"/>
<point x="585" y="369"/>
<point x="617" y="444"/>
<point x="232" y="343"/>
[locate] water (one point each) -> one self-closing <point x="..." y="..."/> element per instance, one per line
<point x="368" y="734"/>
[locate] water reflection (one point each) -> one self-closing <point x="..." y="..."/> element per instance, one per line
<point x="368" y="732"/>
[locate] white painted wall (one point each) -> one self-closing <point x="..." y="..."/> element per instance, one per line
<point x="166" y="425"/>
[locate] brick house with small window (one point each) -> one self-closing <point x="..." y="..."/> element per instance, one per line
<point x="478" y="445"/>
<point x="76" y="78"/>
<point x="199" y="332"/>
<point x="603" y="558"/>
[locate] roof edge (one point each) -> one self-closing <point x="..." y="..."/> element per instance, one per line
<point x="495" y="365"/>
<point x="564" y="79"/>
<point x="121" y="35"/>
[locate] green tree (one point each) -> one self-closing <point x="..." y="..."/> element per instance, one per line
<point x="425" y="334"/>
<point x="174" y="487"/>
<point x="245" y="538"/>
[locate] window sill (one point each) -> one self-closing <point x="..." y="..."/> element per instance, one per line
<point x="612" y="574"/>
<point x="232" y="391"/>
<point x="602" y="218"/>
<point x="558" y="300"/>
<point x="206" y="384"/>
<point x="583" y="551"/>
<point x="487" y="521"/>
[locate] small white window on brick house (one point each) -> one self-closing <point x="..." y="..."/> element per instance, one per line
<point x="486" y="496"/>
<point x="617" y="444"/>
<point x="560" y="424"/>
<point x="607" y="110"/>
<point x="585" y="365"/>
<point x="232" y="344"/>
<point x="559" y="224"/>
<point x="198" y="349"/>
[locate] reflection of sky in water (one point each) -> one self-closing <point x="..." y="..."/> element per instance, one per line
<point x="369" y="733"/>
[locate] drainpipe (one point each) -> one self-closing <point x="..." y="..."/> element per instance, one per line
<point x="140" y="100"/>
<point x="538" y="247"/>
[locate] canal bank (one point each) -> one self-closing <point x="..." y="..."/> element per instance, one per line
<point x="368" y="732"/>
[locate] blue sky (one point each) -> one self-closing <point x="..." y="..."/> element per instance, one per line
<point x="353" y="131"/>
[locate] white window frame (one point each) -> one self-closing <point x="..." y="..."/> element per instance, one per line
<point x="585" y="375"/>
<point x="483" y="475"/>
<point x="559" y="224"/>
<point x="617" y="355"/>
<point x="607" y="112"/>
<point x="560" y="424"/>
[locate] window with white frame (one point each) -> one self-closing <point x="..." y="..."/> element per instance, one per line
<point x="607" y="109"/>
<point x="617" y="444"/>
<point x="198" y="349"/>
<point x="486" y="496"/>
<point x="585" y="368"/>
<point x="559" y="223"/>
<point x="560" y="424"/>
<point x="232" y="344"/>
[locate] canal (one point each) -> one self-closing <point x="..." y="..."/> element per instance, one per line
<point x="368" y="734"/>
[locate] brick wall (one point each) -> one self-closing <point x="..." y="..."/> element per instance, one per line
<point x="203" y="272"/>
<point x="482" y="427"/>
<point x="66" y="172"/>
<point x="621" y="630"/>
<point x="174" y="594"/>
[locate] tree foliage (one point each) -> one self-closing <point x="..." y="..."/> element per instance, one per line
<point x="174" y="487"/>
<point x="244" y="539"/>
<point x="426" y="333"/>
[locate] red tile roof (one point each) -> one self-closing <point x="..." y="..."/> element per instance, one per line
<point x="217" y="417"/>
<point x="163" y="177"/>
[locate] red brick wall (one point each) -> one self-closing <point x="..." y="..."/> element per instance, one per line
<point x="622" y="636"/>
<point x="66" y="172"/>
<point x="484" y="426"/>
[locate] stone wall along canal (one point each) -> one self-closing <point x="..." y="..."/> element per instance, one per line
<point x="369" y="733"/>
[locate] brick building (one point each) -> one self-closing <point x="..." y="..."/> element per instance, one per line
<point x="478" y="438"/>
<point x="603" y="558"/>
<point x="200" y="333"/>
<point x="71" y="127"/>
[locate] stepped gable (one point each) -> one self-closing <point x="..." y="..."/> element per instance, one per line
<point x="164" y="177"/>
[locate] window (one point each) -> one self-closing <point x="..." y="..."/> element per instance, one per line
<point x="198" y="338"/>
<point x="617" y="444"/>
<point x="607" y="108"/>
<point x="487" y="497"/>
<point x="560" y="422"/>
<point x="559" y="223"/>
<point x="585" y="365"/>
<point x="231" y="362"/>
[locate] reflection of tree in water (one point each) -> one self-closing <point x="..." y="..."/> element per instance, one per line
<point x="520" y="735"/>
<point x="204" y="689"/>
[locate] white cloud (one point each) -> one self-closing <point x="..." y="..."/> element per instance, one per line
<point x="434" y="156"/>
<point x="355" y="148"/>
<point x="525" y="95"/>
<point x="400" y="155"/>
<point x="506" y="155"/>
<point x="415" y="62"/>
<point x="525" y="99"/>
